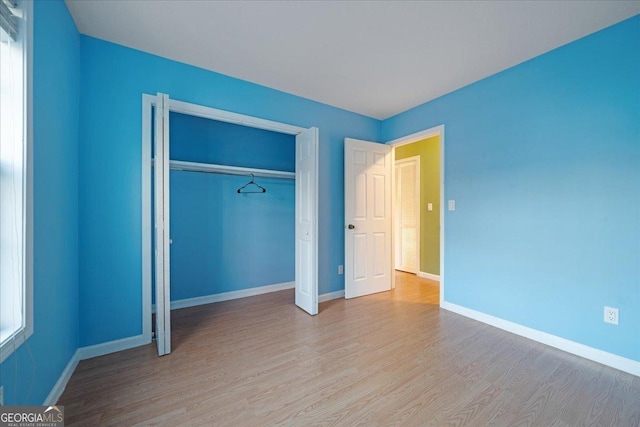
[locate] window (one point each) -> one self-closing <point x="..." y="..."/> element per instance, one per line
<point x="16" y="272"/>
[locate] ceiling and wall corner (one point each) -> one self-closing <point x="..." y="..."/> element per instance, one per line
<point x="566" y="120"/>
<point x="366" y="57"/>
<point x="568" y="101"/>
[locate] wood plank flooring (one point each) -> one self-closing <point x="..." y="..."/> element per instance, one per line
<point x="389" y="359"/>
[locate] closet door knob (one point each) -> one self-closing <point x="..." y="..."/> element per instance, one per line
<point x="351" y="226"/>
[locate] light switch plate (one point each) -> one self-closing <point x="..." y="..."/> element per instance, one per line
<point x="429" y="206"/>
<point x="452" y="205"/>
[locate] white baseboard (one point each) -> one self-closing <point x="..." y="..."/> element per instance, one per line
<point x="60" y="385"/>
<point x="87" y="353"/>
<point x="226" y="296"/>
<point x="243" y="293"/>
<point x="330" y="295"/>
<point x="111" y="347"/>
<point x="594" y="354"/>
<point x="429" y="276"/>
<point x="138" y="340"/>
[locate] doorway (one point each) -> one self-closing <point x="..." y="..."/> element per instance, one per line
<point x="369" y="235"/>
<point x="156" y="109"/>
<point x="428" y="148"/>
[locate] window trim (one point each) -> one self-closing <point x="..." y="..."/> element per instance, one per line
<point x="22" y="335"/>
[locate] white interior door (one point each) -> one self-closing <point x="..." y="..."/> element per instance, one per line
<point x="307" y="220"/>
<point x="407" y="214"/>
<point x="367" y="178"/>
<point x="161" y="196"/>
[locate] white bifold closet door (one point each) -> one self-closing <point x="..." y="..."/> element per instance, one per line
<point x="162" y="240"/>
<point x="306" y="220"/>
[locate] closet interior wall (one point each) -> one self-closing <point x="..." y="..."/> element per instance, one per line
<point x="223" y="241"/>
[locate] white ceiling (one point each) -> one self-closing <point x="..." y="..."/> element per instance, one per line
<point x="377" y="58"/>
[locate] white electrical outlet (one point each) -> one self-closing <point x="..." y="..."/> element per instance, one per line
<point x="340" y="269"/>
<point x="611" y="315"/>
<point x="452" y="205"/>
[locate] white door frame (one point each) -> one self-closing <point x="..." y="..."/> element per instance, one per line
<point x="396" y="204"/>
<point x="408" y="139"/>
<point x="148" y="101"/>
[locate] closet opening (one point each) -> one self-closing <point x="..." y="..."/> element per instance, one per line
<point x="224" y="243"/>
<point x="211" y="232"/>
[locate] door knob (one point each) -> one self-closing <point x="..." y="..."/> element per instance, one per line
<point x="351" y="226"/>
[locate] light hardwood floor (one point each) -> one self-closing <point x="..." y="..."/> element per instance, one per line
<point x="388" y="359"/>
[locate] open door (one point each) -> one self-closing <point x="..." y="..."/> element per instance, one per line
<point x="307" y="220"/>
<point x="161" y="196"/>
<point x="367" y="192"/>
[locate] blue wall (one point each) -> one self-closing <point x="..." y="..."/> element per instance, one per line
<point x="543" y="161"/>
<point x="56" y="63"/>
<point x="195" y="139"/>
<point x="113" y="80"/>
<point x="224" y="241"/>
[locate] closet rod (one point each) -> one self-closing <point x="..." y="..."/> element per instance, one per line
<point x="228" y="170"/>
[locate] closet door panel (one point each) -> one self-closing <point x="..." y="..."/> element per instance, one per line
<point x="306" y="221"/>
<point x="161" y="207"/>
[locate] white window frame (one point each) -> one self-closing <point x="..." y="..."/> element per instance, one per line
<point x="22" y="334"/>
